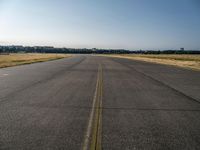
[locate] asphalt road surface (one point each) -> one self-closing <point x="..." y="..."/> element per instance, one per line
<point x="95" y="102"/>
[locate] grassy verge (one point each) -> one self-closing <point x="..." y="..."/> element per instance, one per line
<point x="186" y="61"/>
<point x="27" y="58"/>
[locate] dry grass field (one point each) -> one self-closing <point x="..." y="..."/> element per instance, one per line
<point x="186" y="61"/>
<point x="27" y="58"/>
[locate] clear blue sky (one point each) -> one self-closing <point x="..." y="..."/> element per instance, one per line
<point x="130" y="24"/>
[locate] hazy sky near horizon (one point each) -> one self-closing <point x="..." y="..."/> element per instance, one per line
<point x="130" y="24"/>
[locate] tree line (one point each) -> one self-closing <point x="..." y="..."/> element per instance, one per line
<point x="22" y="49"/>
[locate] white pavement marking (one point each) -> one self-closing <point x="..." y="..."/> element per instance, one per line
<point x="3" y="75"/>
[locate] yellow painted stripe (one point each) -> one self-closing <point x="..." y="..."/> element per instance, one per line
<point x="93" y="137"/>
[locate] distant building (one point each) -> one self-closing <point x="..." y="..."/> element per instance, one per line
<point x="182" y="49"/>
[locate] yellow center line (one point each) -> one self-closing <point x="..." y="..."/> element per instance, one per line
<point x="92" y="139"/>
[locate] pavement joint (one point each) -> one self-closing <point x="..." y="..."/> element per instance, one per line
<point x="160" y="82"/>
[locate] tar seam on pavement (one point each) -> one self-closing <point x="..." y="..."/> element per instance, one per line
<point x="162" y="83"/>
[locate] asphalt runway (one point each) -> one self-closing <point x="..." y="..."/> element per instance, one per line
<point x="94" y="102"/>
